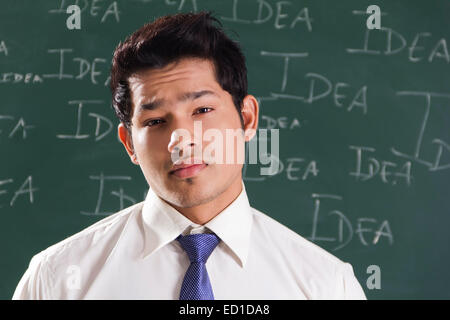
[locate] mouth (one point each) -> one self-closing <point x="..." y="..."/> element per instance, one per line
<point x="189" y="170"/>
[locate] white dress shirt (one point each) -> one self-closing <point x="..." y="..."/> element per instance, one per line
<point x="133" y="254"/>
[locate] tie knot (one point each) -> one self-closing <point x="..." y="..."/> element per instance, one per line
<point x="199" y="246"/>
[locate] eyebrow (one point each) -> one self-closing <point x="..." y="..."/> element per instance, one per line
<point x="181" y="98"/>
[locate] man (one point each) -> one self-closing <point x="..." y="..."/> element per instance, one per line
<point x="195" y="236"/>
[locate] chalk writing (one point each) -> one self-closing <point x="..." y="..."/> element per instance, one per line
<point x="181" y="4"/>
<point x="280" y="122"/>
<point x="117" y="193"/>
<point x="16" y="126"/>
<point x="99" y="134"/>
<point x="94" y="8"/>
<point x="14" y="77"/>
<point x="25" y="189"/>
<point x="282" y="12"/>
<point x="3" y="48"/>
<point x="441" y="145"/>
<point x="295" y="168"/>
<point x="377" y="167"/>
<point x="84" y="66"/>
<point x="326" y="87"/>
<point x="345" y="232"/>
<point x="396" y="42"/>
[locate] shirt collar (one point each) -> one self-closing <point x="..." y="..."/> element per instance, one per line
<point x="163" y="224"/>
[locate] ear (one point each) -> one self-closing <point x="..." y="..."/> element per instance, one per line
<point x="250" y="114"/>
<point x="126" y="139"/>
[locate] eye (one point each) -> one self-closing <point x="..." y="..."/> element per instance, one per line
<point x="204" y="108"/>
<point x="152" y="123"/>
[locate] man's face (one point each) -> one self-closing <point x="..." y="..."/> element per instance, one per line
<point x="152" y="130"/>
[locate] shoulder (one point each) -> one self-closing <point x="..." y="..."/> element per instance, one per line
<point x="292" y="241"/>
<point x="47" y="271"/>
<point x="321" y="274"/>
<point x="105" y="230"/>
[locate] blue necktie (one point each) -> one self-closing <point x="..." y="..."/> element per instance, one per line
<point x="196" y="285"/>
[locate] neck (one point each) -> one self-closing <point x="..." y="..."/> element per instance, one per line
<point x="205" y="212"/>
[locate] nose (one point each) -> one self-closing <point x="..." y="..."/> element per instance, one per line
<point x="183" y="144"/>
<point x="179" y="141"/>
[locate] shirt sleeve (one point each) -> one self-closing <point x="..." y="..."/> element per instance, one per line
<point x="35" y="283"/>
<point x="351" y="289"/>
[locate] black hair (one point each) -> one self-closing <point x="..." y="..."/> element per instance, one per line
<point x="169" y="39"/>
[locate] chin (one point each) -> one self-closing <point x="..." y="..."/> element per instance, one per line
<point x="187" y="196"/>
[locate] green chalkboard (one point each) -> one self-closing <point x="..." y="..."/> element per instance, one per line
<point x="363" y="118"/>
